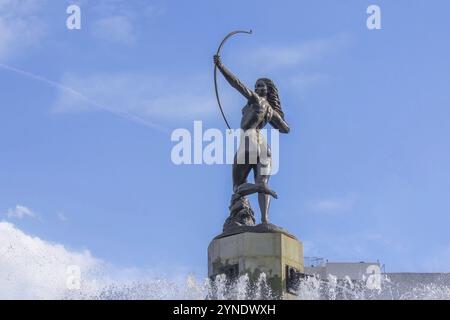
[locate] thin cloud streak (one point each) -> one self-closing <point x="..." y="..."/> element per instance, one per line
<point x="155" y="97"/>
<point x="121" y="113"/>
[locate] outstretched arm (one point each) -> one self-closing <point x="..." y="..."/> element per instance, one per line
<point x="233" y="80"/>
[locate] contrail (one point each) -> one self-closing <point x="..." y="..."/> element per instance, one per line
<point x="59" y="86"/>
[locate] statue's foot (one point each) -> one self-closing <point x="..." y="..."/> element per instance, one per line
<point x="250" y="188"/>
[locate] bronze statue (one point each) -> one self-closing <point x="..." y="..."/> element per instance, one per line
<point x="263" y="106"/>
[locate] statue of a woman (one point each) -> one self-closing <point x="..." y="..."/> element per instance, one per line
<point x="263" y="106"/>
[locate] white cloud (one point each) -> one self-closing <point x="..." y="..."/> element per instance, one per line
<point x="118" y="21"/>
<point x="62" y="217"/>
<point x="113" y="7"/>
<point x="303" y="83"/>
<point x="81" y="101"/>
<point x="333" y="205"/>
<point x="307" y="80"/>
<point x="20" y="212"/>
<point x="270" y="57"/>
<point x="144" y="97"/>
<point x="20" y="28"/>
<point x="116" y="29"/>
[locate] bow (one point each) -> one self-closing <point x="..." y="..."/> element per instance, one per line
<point x="215" y="71"/>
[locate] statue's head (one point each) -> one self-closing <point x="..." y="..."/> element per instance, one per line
<point x="261" y="88"/>
<point x="265" y="87"/>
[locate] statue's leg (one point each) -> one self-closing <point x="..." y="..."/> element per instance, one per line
<point x="262" y="175"/>
<point x="241" y="213"/>
<point x="240" y="173"/>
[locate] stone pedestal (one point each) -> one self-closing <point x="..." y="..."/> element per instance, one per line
<point x="273" y="252"/>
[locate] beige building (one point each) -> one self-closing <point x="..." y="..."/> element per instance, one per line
<point x="355" y="271"/>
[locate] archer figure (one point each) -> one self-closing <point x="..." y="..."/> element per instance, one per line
<point x="263" y="106"/>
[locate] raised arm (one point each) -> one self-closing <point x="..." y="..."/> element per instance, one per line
<point x="233" y="80"/>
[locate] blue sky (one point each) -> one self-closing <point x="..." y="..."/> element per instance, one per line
<point x="364" y="173"/>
